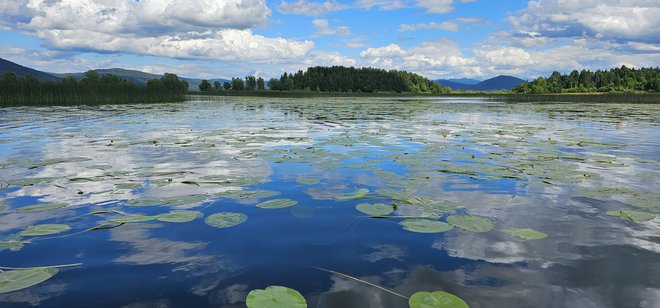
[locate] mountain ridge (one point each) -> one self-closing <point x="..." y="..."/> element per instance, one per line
<point x="501" y="82"/>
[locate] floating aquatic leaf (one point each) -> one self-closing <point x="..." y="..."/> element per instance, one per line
<point x="307" y="181"/>
<point x="179" y="216"/>
<point x="425" y="226"/>
<point x="525" y="233"/>
<point x="40" y="207"/>
<point x="12" y="242"/>
<point x="134" y="218"/>
<point x="14" y="280"/>
<point x="242" y="194"/>
<point x="471" y="223"/>
<point x="632" y="215"/>
<point x="31" y="181"/>
<point x="275" y="297"/>
<point x="2" y="207"/>
<point x="436" y="209"/>
<point x="436" y="299"/>
<point x="359" y="194"/>
<point x="45" y="229"/>
<point x="225" y="219"/>
<point x="277" y="203"/>
<point x="128" y="185"/>
<point x="377" y="209"/>
<point x="171" y="201"/>
<point x="81" y="180"/>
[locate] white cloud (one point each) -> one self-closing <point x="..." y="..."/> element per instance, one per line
<point x="447" y="26"/>
<point x="608" y="19"/>
<point x="436" y="6"/>
<point x="323" y="28"/>
<point x="303" y="7"/>
<point x="389" y="51"/>
<point x="189" y="29"/>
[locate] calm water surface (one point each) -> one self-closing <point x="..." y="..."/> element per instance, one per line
<point x="554" y="168"/>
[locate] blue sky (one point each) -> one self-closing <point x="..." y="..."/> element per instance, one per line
<point x="436" y="38"/>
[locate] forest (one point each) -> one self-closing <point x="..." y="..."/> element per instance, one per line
<point x="621" y="79"/>
<point x="338" y="79"/>
<point x="91" y="89"/>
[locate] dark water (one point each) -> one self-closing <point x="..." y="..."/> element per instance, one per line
<point x="555" y="168"/>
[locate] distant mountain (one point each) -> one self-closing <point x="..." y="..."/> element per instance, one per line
<point x="465" y="81"/>
<point x="140" y="78"/>
<point x="137" y="77"/>
<point x="454" y="85"/>
<point x="21" y="71"/>
<point x="501" y="82"/>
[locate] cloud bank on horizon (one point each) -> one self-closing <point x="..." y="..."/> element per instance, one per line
<point x="436" y="38"/>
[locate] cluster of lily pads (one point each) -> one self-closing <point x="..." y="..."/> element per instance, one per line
<point x="402" y="157"/>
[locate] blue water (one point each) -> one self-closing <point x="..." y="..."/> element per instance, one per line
<point x="589" y="259"/>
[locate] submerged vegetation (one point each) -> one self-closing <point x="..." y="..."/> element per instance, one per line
<point x="621" y="79"/>
<point x="90" y="90"/>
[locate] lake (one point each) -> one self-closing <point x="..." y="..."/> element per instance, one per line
<point x="196" y="204"/>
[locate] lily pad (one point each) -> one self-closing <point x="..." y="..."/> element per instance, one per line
<point x="40" y="207"/>
<point x="171" y="201"/>
<point x="277" y="203"/>
<point x="243" y="194"/>
<point x="525" y="233"/>
<point x="377" y="209"/>
<point x="307" y="181"/>
<point x="632" y="215"/>
<point x="2" y="207"/>
<point x="425" y="226"/>
<point x="24" y="278"/>
<point x="471" y="223"/>
<point x="275" y="297"/>
<point x="45" y="229"/>
<point x="12" y="242"/>
<point x="225" y="219"/>
<point x="359" y="194"/>
<point x="179" y="216"/>
<point x="436" y="299"/>
<point x="136" y="218"/>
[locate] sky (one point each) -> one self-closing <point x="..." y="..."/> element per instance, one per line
<point x="476" y="39"/>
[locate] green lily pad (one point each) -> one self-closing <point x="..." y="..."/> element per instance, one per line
<point x="525" y="233"/>
<point x="171" y="201"/>
<point x="45" y="229"/>
<point x="2" y="207"/>
<point x="12" y="242"/>
<point x="632" y="215"/>
<point x="40" y="207"/>
<point x="471" y="223"/>
<point x="136" y="218"/>
<point x="359" y="194"/>
<point x="307" y="181"/>
<point x="377" y="209"/>
<point x="277" y="203"/>
<point x="24" y="278"/>
<point x="179" y="216"/>
<point x="225" y="219"/>
<point x="436" y="299"/>
<point x="275" y="297"/>
<point x="425" y="226"/>
<point x="244" y="194"/>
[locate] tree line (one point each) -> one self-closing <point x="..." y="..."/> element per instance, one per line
<point x="250" y="83"/>
<point x="91" y="89"/>
<point x="621" y="79"/>
<point x="336" y="79"/>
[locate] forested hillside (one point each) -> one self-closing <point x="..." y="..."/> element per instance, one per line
<point x="616" y="79"/>
<point x="350" y="79"/>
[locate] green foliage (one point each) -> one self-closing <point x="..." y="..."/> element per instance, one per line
<point x="275" y="296"/>
<point x="621" y="79"/>
<point x="92" y="89"/>
<point x="205" y="86"/>
<point x="350" y="79"/>
<point x="227" y="85"/>
<point x="237" y="84"/>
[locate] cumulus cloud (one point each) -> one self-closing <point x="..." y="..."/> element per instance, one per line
<point x="614" y="19"/>
<point x="389" y="51"/>
<point x="303" y="7"/>
<point x="190" y="29"/>
<point x="323" y="28"/>
<point x="436" y="6"/>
